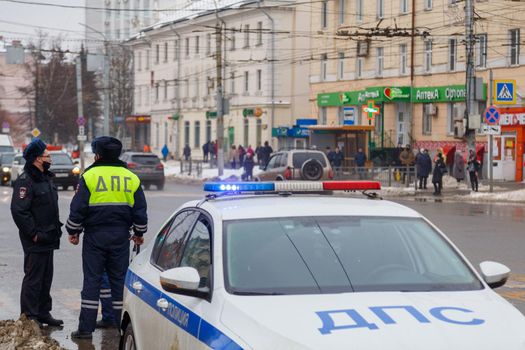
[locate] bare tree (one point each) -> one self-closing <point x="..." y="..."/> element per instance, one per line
<point x="121" y="87"/>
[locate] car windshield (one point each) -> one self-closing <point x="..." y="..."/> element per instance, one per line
<point x="316" y="255"/>
<point x="60" y="159"/>
<point x="21" y="160"/>
<point x="6" y="149"/>
<point x="300" y="157"/>
<point x="7" y="159"/>
<point x="146" y="160"/>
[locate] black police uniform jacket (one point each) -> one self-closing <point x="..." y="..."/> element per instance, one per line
<point x="34" y="207"/>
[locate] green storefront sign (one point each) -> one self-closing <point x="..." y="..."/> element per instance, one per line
<point x="381" y="94"/>
<point x="211" y="114"/>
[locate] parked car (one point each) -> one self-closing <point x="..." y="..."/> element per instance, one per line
<point x="6" y="162"/>
<point x="6" y="143"/>
<point x="299" y="164"/>
<point x="147" y="167"/>
<point x="66" y="173"/>
<point x="17" y="167"/>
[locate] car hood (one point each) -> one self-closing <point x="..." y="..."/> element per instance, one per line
<point x="394" y="320"/>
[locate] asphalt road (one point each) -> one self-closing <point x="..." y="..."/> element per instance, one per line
<point x="482" y="232"/>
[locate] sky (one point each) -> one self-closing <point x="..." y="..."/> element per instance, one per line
<point x="29" y="16"/>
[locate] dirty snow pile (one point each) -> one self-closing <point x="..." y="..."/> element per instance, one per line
<point x="24" y="334"/>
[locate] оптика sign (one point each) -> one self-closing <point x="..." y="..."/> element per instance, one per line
<point x="451" y="93"/>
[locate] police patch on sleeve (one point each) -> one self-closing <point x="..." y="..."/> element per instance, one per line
<point x="22" y="193"/>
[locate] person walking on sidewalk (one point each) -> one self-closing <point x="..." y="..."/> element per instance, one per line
<point x="473" y="166"/>
<point x="424" y="167"/>
<point x="459" y="167"/>
<point x="440" y="169"/>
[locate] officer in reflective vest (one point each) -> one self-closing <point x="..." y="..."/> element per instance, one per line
<point x="108" y="202"/>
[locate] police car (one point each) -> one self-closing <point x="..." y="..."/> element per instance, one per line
<point x="269" y="266"/>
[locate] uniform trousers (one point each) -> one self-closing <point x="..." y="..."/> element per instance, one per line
<point x="35" y="297"/>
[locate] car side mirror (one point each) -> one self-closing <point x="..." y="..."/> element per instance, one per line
<point x="494" y="273"/>
<point x="181" y="280"/>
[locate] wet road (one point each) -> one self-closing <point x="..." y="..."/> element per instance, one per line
<point x="481" y="231"/>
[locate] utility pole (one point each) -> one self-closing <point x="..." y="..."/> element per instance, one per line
<point x="470" y="133"/>
<point x="80" y="117"/>
<point x="106" y="88"/>
<point x="220" y="100"/>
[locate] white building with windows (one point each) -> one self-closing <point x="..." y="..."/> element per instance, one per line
<point x="264" y="70"/>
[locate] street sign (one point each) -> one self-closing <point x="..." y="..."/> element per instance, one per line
<point x="487" y="129"/>
<point x="504" y="91"/>
<point x="35" y="132"/>
<point x="371" y="110"/>
<point x="81" y="121"/>
<point x="348" y="116"/>
<point x="82" y="137"/>
<point x="5" y="127"/>
<point x="491" y="115"/>
<point x="81" y="130"/>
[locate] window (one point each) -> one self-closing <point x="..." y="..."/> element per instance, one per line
<point x="165" y="133"/>
<point x="259" y="33"/>
<point x="168" y="248"/>
<point x="323" y="115"/>
<point x="157" y="135"/>
<point x="208" y="44"/>
<point x="380" y="9"/>
<point x="246" y="82"/>
<point x="359" y="10"/>
<point x="258" y="131"/>
<point x="379" y="61"/>
<point x="186" y="132"/>
<point x="259" y="79"/>
<point x="157" y="92"/>
<point x="403" y="59"/>
<point x="157" y="54"/>
<point x="427" y="120"/>
<point x="403" y="7"/>
<point x="359" y="67"/>
<point x="453" y="2"/>
<point x="481" y="51"/>
<point x="232" y="82"/>
<point x="427" y="65"/>
<point x="187" y="47"/>
<point x="197" y="138"/>
<point x="165" y="90"/>
<point x="232" y="40"/>
<point x="455" y="112"/>
<point x="175" y="50"/>
<point x="340" y="65"/>
<point x="428" y="4"/>
<point x="324" y="66"/>
<point x="165" y="52"/>
<point x="197" y="253"/>
<point x="342" y="10"/>
<point x="324" y="14"/>
<point x="147" y="59"/>
<point x="514" y="46"/>
<point x="340" y="115"/>
<point x="197" y="44"/>
<point x="208" y="130"/>
<point x="246" y="131"/>
<point x="139" y="60"/>
<point x="246" y="35"/>
<point x="452" y="54"/>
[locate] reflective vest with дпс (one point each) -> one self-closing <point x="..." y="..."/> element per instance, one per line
<point x="111" y="186"/>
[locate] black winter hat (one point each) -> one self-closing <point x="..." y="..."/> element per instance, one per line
<point x="107" y="147"/>
<point x="35" y="149"/>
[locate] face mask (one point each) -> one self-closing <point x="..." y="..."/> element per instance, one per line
<point x="46" y="165"/>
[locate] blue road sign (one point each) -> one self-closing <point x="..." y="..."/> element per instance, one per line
<point x="505" y="91"/>
<point x="491" y="115"/>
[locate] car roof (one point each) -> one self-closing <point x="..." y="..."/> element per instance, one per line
<point x="268" y="206"/>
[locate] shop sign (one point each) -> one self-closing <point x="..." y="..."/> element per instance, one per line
<point x="280" y="131"/>
<point x="304" y="122"/>
<point x="296" y="131"/>
<point x="379" y="94"/>
<point x="138" y="119"/>
<point x="211" y="114"/>
<point x="337" y="99"/>
<point x="348" y="116"/>
<point x="450" y="93"/>
<point x="397" y="93"/>
<point x="512" y="119"/>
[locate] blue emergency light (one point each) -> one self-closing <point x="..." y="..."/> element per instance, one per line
<point x="291" y="186"/>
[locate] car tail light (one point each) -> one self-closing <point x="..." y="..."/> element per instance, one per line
<point x="159" y="166"/>
<point x="288" y="174"/>
<point x="132" y="165"/>
<point x="330" y="174"/>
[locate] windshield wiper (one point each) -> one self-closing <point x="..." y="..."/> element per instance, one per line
<point x="257" y="293"/>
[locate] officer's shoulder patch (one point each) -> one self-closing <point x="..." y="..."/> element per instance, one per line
<point x="22" y="192"/>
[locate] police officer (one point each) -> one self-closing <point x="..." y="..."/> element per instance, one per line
<point x="108" y="202"/>
<point x="34" y="207"/>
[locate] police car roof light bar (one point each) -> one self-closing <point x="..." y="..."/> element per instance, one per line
<point x="291" y="186"/>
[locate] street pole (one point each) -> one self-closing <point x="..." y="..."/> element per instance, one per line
<point x="470" y="133"/>
<point x="80" y="117"/>
<point x="106" y="88"/>
<point x="220" y="100"/>
<point x="491" y="151"/>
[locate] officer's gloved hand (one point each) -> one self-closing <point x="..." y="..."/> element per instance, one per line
<point x="138" y="240"/>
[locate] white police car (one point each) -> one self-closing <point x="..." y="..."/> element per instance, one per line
<point x="288" y="271"/>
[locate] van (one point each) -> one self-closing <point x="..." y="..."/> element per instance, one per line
<point x="6" y="144"/>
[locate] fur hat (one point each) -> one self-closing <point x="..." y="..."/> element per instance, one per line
<point x="35" y="149"/>
<point x="107" y="147"/>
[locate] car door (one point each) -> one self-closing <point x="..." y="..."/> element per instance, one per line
<point x="166" y="254"/>
<point x="182" y="324"/>
<point x="269" y="173"/>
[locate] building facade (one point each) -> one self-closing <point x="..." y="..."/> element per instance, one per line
<point x="408" y="57"/>
<point x="266" y="89"/>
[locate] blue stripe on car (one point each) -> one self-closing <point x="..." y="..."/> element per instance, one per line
<point x="181" y="316"/>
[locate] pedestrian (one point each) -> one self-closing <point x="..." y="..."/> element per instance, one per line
<point x="330" y="155"/>
<point x="407" y="159"/>
<point x="440" y="169"/>
<point x="108" y="202"/>
<point x="267" y="150"/>
<point x="258" y="153"/>
<point x="233" y="157"/>
<point x="165" y="151"/>
<point x="458" y="171"/>
<point x="337" y="162"/>
<point x="360" y="162"/>
<point x="146" y="148"/>
<point x="34" y="207"/>
<point x="213" y="153"/>
<point x="248" y="167"/>
<point x="242" y="153"/>
<point x="250" y="150"/>
<point x="186" y="152"/>
<point x="423" y="167"/>
<point x="473" y="167"/>
<point x="205" y="151"/>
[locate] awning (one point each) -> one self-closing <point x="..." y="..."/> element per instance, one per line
<point x="341" y="127"/>
<point x="448" y="153"/>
